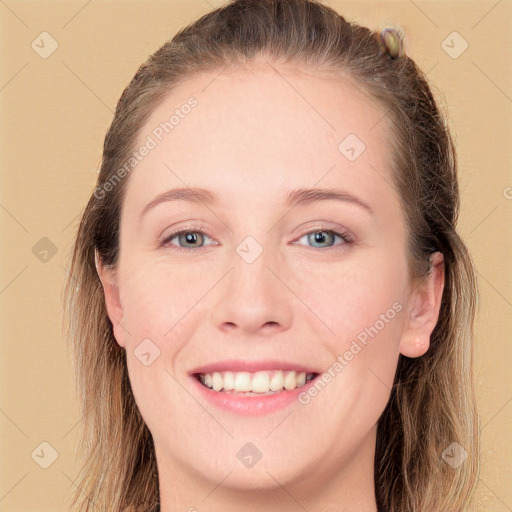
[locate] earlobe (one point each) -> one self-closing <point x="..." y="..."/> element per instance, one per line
<point x="108" y="280"/>
<point x="423" y="310"/>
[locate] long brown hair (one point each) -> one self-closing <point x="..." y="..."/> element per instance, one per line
<point x="432" y="403"/>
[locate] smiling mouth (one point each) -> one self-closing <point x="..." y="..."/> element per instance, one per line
<point x="255" y="383"/>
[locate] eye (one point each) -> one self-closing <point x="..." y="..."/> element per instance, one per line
<point x="189" y="237"/>
<point x="323" y="236"/>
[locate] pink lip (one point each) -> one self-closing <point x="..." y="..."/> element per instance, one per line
<point x="252" y="366"/>
<point x="250" y="405"/>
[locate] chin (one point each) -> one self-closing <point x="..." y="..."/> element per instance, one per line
<point x="256" y="479"/>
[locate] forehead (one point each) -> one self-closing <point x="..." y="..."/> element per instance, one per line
<point x="264" y="128"/>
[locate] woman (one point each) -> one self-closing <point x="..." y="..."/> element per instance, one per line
<point x="269" y="303"/>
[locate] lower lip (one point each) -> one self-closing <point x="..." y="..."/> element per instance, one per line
<point x="250" y="405"/>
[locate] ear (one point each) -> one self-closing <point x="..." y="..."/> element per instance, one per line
<point x="423" y="310"/>
<point x="108" y="278"/>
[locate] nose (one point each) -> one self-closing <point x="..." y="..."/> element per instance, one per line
<point x="254" y="298"/>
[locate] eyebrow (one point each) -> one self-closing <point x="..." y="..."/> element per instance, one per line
<point x="301" y="196"/>
<point x="310" y="195"/>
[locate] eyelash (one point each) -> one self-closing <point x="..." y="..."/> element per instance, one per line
<point x="344" y="235"/>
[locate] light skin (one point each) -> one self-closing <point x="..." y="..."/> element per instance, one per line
<point x="255" y="135"/>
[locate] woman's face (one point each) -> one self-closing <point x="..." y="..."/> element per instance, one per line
<point x="258" y="292"/>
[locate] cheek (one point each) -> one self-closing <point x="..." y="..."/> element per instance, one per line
<point x="363" y="307"/>
<point x="155" y="295"/>
<point x="159" y="320"/>
<point x="164" y="303"/>
<point x="352" y="298"/>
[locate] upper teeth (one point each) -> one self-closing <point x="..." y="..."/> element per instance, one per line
<point x="256" y="382"/>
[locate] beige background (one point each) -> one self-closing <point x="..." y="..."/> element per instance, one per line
<point x="54" y="115"/>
